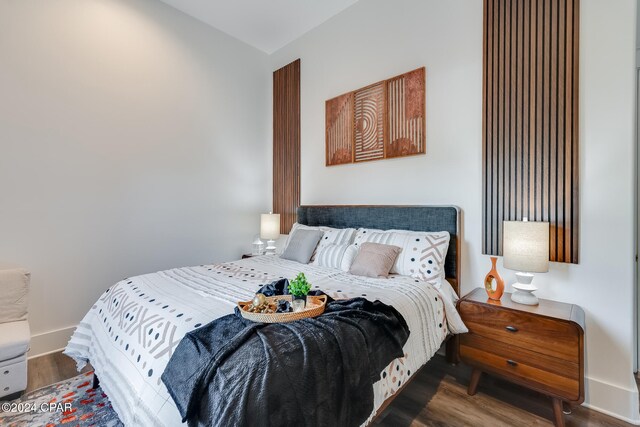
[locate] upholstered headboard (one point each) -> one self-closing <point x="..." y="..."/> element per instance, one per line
<point x="414" y="218"/>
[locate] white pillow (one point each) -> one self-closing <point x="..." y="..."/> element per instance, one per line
<point x="423" y="253"/>
<point x="348" y="257"/>
<point x="335" y="236"/>
<point x="330" y="256"/>
<point x="336" y="256"/>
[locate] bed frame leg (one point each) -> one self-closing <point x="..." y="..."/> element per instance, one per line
<point x="96" y="381"/>
<point x="451" y="350"/>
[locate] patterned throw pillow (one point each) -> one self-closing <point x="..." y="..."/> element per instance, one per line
<point x="423" y="253"/>
<point x="335" y="236"/>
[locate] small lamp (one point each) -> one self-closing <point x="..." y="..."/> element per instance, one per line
<point x="257" y="246"/>
<point x="526" y="250"/>
<point x="270" y="230"/>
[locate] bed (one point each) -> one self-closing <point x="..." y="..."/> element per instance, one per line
<point x="130" y="333"/>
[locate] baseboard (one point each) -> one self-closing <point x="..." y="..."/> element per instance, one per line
<point x="613" y="400"/>
<point x="49" y="342"/>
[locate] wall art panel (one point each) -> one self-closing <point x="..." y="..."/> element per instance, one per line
<point x="383" y="120"/>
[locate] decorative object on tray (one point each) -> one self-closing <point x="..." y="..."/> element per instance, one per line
<point x="526" y="250"/>
<point x="270" y="230"/>
<point x="260" y="304"/>
<point x="299" y="288"/>
<point x="380" y="121"/>
<point x="493" y="278"/>
<point x="284" y="308"/>
<point x="268" y="312"/>
<point x="257" y="247"/>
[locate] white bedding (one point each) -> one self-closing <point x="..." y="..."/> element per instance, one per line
<point x="132" y="330"/>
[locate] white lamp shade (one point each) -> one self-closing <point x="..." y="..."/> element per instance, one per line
<point x="525" y="246"/>
<point x="269" y="226"/>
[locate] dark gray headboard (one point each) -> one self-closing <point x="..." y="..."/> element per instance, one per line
<point x="415" y="218"/>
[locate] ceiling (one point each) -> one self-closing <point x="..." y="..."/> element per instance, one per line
<point x="265" y="24"/>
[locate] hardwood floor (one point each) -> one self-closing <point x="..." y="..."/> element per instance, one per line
<point x="50" y="369"/>
<point x="436" y="397"/>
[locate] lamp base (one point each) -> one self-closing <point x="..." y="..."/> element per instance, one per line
<point x="271" y="247"/>
<point x="523" y="290"/>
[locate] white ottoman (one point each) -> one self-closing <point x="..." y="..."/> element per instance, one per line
<point x="14" y="332"/>
<point x="14" y="344"/>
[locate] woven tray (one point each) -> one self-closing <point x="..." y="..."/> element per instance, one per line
<point x="315" y="307"/>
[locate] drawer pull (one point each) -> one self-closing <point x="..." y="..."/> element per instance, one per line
<point x="511" y="328"/>
<point x="512" y="362"/>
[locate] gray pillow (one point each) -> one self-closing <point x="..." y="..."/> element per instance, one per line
<point x="301" y="245"/>
<point x="374" y="260"/>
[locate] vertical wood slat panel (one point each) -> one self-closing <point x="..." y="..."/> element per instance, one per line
<point x="499" y="147"/>
<point x="513" y="121"/>
<point x="530" y="120"/>
<point x="486" y="108"/>
<point x="286" y="143"/>
<point x="497" y="95"/>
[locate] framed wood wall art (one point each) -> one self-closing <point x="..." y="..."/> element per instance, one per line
<point x="406" y="112"/>
<point x="380" y="121"/>
<point x="369" y="105"/>
<point x="339" y="130"/>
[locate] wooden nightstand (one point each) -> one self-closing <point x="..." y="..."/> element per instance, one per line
<point x="540" y="347"/>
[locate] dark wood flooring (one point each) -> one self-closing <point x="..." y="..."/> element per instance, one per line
<point x="436" y="397"/>
<point x="50" y="369"/>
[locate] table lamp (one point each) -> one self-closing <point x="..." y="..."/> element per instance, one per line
<point x="270" y="230"/>
<point x="526" y="250"/>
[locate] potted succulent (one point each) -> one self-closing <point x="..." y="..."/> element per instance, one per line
<point x="299" y="288"/>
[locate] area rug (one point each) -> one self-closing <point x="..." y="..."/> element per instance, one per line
<point x="69" y="403"/>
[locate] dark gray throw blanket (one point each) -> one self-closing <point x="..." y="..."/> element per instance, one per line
<point x="312" y="372"/>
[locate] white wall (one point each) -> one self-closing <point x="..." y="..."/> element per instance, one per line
<point x="637" y="33"/>
<point x="376" y="39"/>
<point x="132" y="139"/>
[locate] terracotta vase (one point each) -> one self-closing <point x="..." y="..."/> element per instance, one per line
<point x="491" y="277"/>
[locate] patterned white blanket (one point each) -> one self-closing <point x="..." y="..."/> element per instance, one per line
<point x="131" y="331"/>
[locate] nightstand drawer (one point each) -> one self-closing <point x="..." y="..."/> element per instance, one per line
<point x="530" y="331"/>
<point x="547" y="374"/>
<point x="538" y="360"/>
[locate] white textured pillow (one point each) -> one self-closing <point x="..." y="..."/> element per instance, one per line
<point x="331" y="236"/>
<point x="423" y="253"/>
<point x="349" y="255"/>
<point x="336" y="256"/>
<point x="330" y="256"/>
